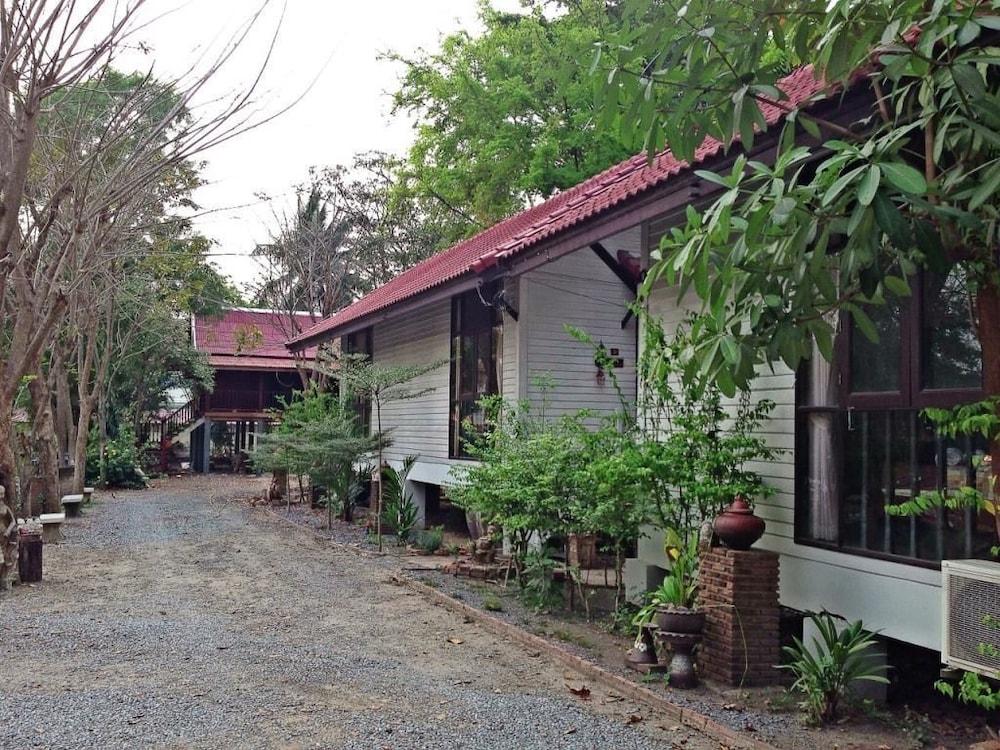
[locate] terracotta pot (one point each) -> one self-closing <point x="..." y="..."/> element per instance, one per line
<point x="674" y="619"/>
<point x="738" y="527"/>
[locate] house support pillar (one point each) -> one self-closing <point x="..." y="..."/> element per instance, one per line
<point x="417" y="492"/>
<point x="739" y="593"/>
<point x="206" y="447"/>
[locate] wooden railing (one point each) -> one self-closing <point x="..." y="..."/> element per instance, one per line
<point x="159" y="429"/>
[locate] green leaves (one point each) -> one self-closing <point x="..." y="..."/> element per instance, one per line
<point x="843" y="653"/>
<point x="904" y="178"/>
<point x="869" y="185"/>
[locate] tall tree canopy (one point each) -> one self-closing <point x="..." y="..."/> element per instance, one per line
<point x="844" y="213"/>
<point x="505" y="117"/>
<point x="351" y="231"/>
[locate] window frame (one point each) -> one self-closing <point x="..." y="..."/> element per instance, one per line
<point x="456" y="448"/>
<point x="911" y="393"/>
<point x="361" y="405"/>
<point x="911" y="396"/>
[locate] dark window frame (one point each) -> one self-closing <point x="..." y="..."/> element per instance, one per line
<point x="361" y="405"/>
<point x="911" y="397"/>
<point x="459" y="333"/>
<point x="911" y="394"/>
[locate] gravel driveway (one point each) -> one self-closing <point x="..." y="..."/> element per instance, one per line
<point x="175" y="618"/>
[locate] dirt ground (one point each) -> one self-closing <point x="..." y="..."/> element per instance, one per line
<point x="178" y="617"/>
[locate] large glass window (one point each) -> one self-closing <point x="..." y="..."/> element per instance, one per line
<point x="863" y="444"/>
<point x="476" y="333"/>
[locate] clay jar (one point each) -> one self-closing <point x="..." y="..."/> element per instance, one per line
<point x="738" y="527"/>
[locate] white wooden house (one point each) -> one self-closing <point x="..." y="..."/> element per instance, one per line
<point x="494" y="308"/>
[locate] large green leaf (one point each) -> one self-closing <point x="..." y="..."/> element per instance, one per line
<point x="904" y="177"/>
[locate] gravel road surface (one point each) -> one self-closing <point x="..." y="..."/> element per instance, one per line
<point x="178" y="618"/>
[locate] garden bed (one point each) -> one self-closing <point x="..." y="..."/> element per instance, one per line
<point x="770" y="714"/>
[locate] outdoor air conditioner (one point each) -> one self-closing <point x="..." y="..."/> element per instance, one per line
<point x="970" y="598"/>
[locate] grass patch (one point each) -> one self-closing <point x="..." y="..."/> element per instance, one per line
<point x="568" y="636"/>
<point x="492" y="603"/>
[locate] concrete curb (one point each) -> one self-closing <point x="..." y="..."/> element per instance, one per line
<point x="682" y="715"/>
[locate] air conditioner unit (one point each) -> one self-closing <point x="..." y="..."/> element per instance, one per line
<point x="971" y="615"/>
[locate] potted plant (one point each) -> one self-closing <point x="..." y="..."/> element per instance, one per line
<point x="677" y="611"/>
<point x="672" y="606"/>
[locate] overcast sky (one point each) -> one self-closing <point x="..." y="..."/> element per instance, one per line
<point x="335" y="43"/>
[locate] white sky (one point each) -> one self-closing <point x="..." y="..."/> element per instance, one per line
<point x="335" y="42"/>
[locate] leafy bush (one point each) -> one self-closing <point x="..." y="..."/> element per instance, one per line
<point x="430" y="540"/>
<point x="525" y="473"/>
<point x="122" y="461"/>
<point x="492" y="603"/>
<point x="836" y="659"/>
<point x="972" y="689"/>
<point x="538" y="586"/>
<point x="316" y="436"/>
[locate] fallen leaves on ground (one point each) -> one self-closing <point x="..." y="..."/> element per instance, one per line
<point x="580" y="691"/>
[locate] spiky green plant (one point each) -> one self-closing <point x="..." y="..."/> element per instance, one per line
<point x="834" y="661"/>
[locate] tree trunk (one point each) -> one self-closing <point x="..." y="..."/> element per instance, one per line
<point x="8" y="497"/>
<point x="988" y="307"/>
<point x="381" y="483"/>
<point x="44" y="444"/>
<point x="64" y="407"/>
<point x="102" y="426"/>
<point x="80" y="448"/>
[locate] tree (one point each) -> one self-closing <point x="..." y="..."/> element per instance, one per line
<point x="827" y="227"/>
<point x="318" y="436"/>
<point x="505" y="118"/>
<point x="378" y="385"/>
<point x="308" y="268"/>
<point x="66" y="199"/>
<point x="350" y="233"/>
<point x="391" y="229"/>
<point x="844" y="214"/>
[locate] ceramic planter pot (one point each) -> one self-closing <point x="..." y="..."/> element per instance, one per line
<point x="674" y="619"/>
<point x="738" y="527"/>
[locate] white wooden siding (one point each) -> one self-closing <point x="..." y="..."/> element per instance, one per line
<point x="578" y="290"/>
<point x="903" y="601"/>
<point x="510" y="386"/>
<point x="419" y="426"/>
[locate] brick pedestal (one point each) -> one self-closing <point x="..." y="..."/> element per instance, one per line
<point x="739" y="591"/>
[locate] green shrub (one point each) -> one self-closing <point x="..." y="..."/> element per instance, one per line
<point x="430" y="540"/>
<point x="492" y="603"/>
<point x="122" y="461"/>
<point x="835" y="660"/>
<point x="398" y="510"/>
<point x="538" y="586"/>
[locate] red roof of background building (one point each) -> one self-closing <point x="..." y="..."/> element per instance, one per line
<point x="220" y="338"/>
<point x="522" y="231"/>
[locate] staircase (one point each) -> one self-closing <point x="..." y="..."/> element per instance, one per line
<point x="162" y="431"/>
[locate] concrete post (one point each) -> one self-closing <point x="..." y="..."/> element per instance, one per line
<point x="206" y="447"/>
<point x="417" y="492"/>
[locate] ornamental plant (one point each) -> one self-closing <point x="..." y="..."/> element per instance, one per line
<point x="316" y="436"/>
<point x="524" y="477"/>
<point x="837" y="658"/>
<point x="611" y="494"/>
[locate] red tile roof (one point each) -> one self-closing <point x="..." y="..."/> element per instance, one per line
<point x="522" y="231"/>
<point x="219" y="338"/>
